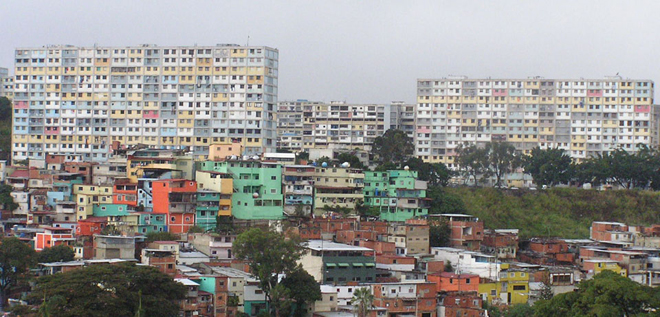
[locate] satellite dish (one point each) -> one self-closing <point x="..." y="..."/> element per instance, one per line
<point x="345" y="165"/>
<point x="406" y="167"/>
<point x="324" y="164"/>
<point x="255" y="195"/>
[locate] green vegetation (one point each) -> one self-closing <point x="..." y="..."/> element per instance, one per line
<point x="561" y="212"/>
<point x="269" y="254"/>
<point x="161" y="236"/>
<point x="394" y="146"/>
<point x="60" y="253"/>
<point x="109" y="290"/>
<point x="16" y="257"/>
<point x="607" y="294"/>
<point x="5" y="128"/>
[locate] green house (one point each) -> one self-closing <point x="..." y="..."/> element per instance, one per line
<point x="257" y="187"/>
<point x="397" y="194"/>
<point x="208" y="204"/>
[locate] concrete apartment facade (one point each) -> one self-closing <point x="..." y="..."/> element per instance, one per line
<point x="79" y="100"/>
<point x="584" y="117"/>
<point x="339" y="126"/>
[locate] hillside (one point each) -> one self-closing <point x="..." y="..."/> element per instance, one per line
<point x="561" y="212"/>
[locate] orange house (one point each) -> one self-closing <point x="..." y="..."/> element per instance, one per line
<point x="53" y="237"/>
<point x="176" y="198"/>
<point x="124" y="192"/>
<point x="91" y="226"/>
<point x="450" y="282"/>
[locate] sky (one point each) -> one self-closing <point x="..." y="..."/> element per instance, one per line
<point x="366" y="51"/>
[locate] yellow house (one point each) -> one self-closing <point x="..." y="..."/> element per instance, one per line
<point x="218" y="151"/>
<point x="222" y="183"/>
<point x="595" y="266"/>
<point x="86" y="196"/>
<point x="512" y="288"/>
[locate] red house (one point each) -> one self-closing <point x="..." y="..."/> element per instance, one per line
<point x="91" y="226"/>
<point x="176" y="198"/>
<point x="53" y="237"/>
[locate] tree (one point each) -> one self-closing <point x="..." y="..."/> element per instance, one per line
<point x="351" y="159"/>
<point x="323" y="159"/>
<point x="520" y="310"/>
<point x="435" y="174"/>
<point x="5" y="128"/>
<point x="548" y="166"/>
<point x="123" y="289"/>
<point x="302" y="156"/>
<point x="268" y="254"/>
<point x="472" y="161"/>
<point x="606" y="294"/>
<point x="224" y="225"/>
<point x="111" y="230"/>
<point x="394" y="146"/>
<point x="365" y="211"/>
<point x="161" y="236"/>
<point x="16" y="257"/>
<point x="362" y="301"/>
<point x="439" y="233"/>
<point x="449" y="267"/>
<point x="502" y="159"/>
<point x="443" y="202"/>
<point x="303" y="289"/>
<point x="59" y="253"/>
<point x="384" y="167"/>
<point x="6" y="200"/>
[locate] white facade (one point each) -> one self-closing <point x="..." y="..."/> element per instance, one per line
<point x="468" y="262"/>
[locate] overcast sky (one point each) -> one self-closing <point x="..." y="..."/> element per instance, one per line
<point x="366" y="51"/>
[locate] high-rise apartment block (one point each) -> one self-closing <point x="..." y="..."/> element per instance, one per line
<point x="6" y="83"/>
<point x="82" y="100"/>
<point x="304" y="125"/>
<point x="584" y="117"/>
<point x="402" y="117"/>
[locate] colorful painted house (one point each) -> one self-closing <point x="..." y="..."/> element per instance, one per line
<point x="208" y="205"/>
<point x="53" y="236"/>
<point x="125" y="192"/>
<point x="257" y="187"/>
<point x="397" y="194"/>
<point x="176" y="198"/>
<point x="222" y="183"/>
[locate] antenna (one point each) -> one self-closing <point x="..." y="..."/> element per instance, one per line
<point x="248" y="40"/>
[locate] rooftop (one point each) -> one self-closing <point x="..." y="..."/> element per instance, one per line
<point x="186" y="282"/>
<point x="322" y="245"/>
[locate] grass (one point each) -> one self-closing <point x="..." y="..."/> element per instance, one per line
<point x="558" y="212"/>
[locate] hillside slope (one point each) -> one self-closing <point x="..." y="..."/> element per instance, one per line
<point x="560" y="212"/>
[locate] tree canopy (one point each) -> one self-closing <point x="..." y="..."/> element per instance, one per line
<point x="303" y="289"/>
<point x="351" y="159"/>
<point x="363" y="300"/>
<point x="393" y="146"/>
<point x="607" y="294"/>
<point x="59" y="253"/>
<point x="5" y="128"/>
<point x="109" y="290"/>
<point x="6" y="200"/>
<point x="548" y="166"/>
<point x="473" y="161"/>
<point x="268" y="254"/>
<point x="502" y="159"/>
<point x="434" y="173"/>
<point x="16" y="257"/>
